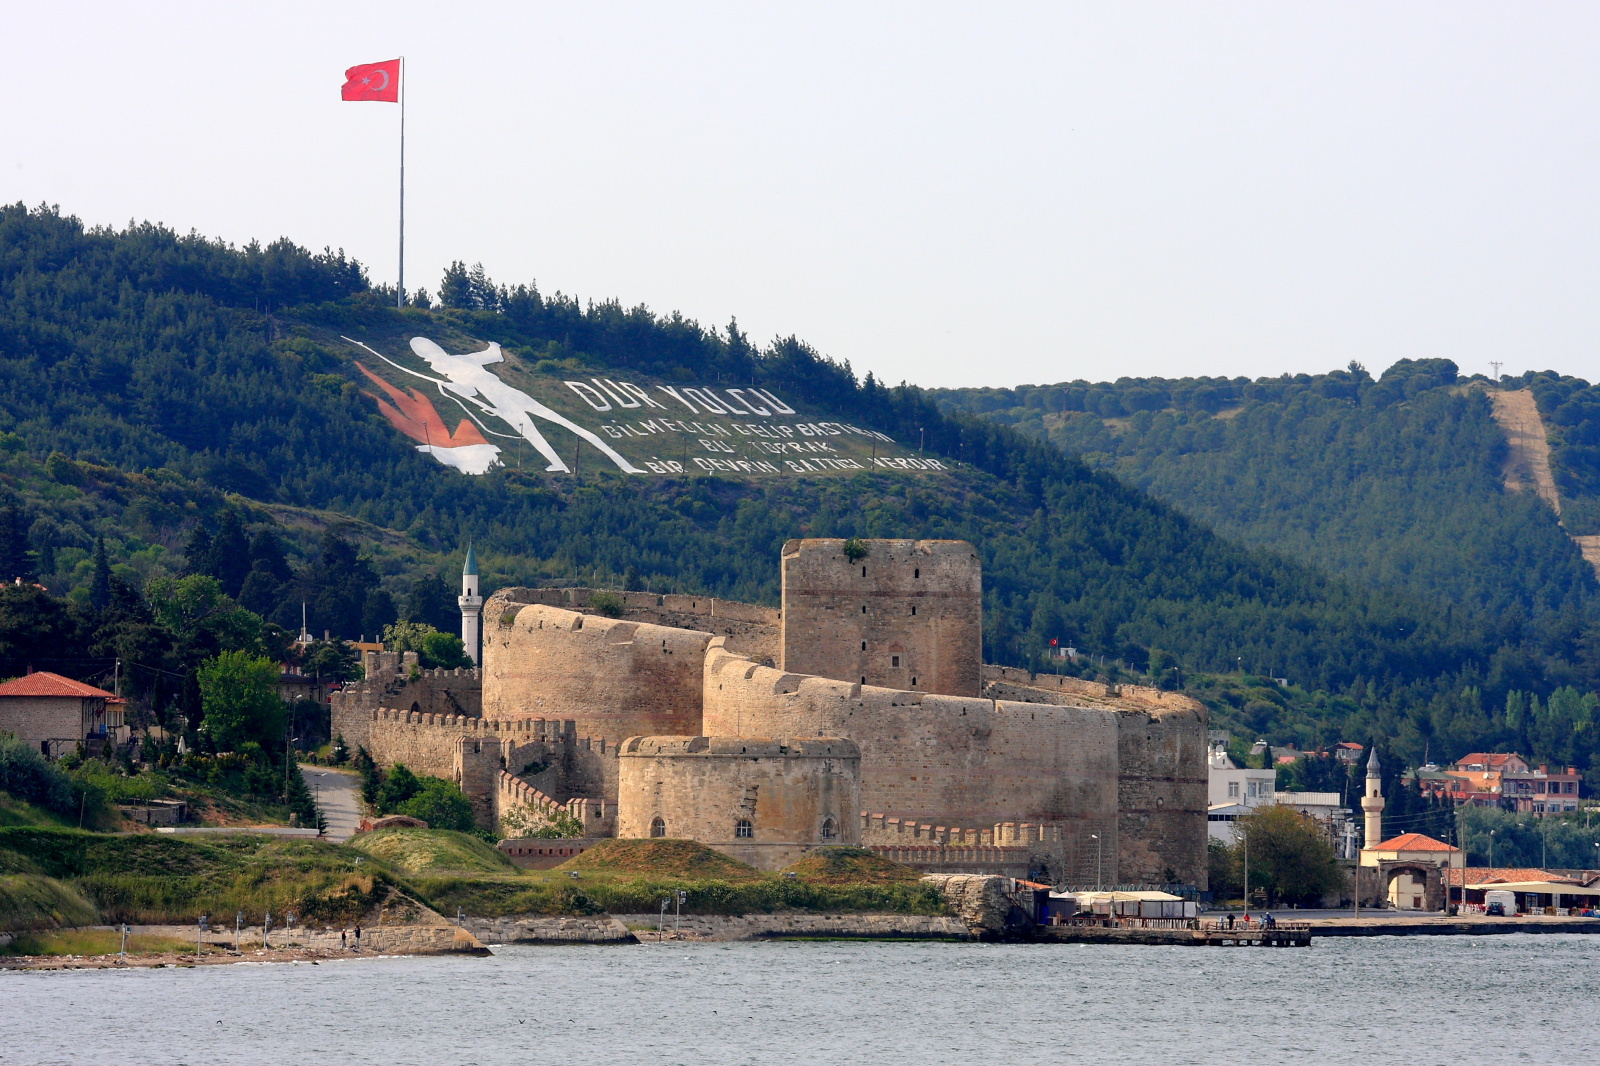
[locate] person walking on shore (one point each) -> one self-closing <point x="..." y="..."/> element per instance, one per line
<point x="344" y="940"/>
<point x="358" y="937"/>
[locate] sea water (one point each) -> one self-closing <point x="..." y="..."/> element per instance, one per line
<point x="1412" y="1000"/>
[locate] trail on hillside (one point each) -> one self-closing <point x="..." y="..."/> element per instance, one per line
<point x="1528" y="461"/>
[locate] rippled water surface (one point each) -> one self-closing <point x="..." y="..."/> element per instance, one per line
<point x="1417" y="1001"/>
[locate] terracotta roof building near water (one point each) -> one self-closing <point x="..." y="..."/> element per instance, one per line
<point x="44" y="683"/>
<point x="1412" y="842"/>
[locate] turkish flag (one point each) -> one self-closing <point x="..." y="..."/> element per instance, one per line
<point x="373" y="81"/>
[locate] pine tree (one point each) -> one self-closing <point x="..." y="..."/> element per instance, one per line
<point x="16" y="555"/>
<point x="230" y="554"/>
<point x="100" y="582"/>
<point x="197" y="552"/>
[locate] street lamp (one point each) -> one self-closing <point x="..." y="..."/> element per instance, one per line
<point x="1491" y="849"/>
<point x="1099" y="882"/>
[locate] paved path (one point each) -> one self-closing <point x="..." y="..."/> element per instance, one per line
<point x="335" y="791"/>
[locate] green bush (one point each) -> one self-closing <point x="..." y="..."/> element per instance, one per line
<point x="441" y="805"/>
<point x="28" y="775"/>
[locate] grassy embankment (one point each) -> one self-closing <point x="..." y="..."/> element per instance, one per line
<point x="53" y="877"/>
<point x="633" y="876"/>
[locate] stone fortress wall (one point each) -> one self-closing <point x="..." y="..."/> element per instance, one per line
<point x="788" y="793"/>
<point x="1091" y="781"/>
<point x="394" y="680"/>
<point x="906" y="614"/>
<point x="614" y="677"/>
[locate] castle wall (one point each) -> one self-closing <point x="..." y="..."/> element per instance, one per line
<point x="751" y="629"/>
<point x="907" y="615"/>
<point x="1162" y="797"/>
<point x="968" y="761"/>
<point x="614" y="678"/>
<point x="701" y="787"/>
<point x="388" y="682"/>
<point x="473" y="752"/>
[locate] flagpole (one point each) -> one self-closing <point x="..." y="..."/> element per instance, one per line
<point x="400" y="288"/>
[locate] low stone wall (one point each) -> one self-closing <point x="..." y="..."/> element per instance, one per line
<point x="559" y="930"/>
<point x="802" y="924"/>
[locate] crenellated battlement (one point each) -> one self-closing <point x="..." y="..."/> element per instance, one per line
<point x="551" y="730"/>
<point x="882" y="829"/>
<point x="596" y="815"/>
<point x="1001" y="683"/>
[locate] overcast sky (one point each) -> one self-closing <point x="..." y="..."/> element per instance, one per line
<point x="951" y="195"/>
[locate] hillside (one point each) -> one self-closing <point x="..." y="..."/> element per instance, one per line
<point x="154" y="385"/>
<point x="1397" y="483"/>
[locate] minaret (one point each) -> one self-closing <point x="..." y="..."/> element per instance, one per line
<point x="1372" y="803"/>
<point x="471" y="605"/>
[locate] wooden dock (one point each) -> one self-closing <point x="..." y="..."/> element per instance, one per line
<point x="1180" y="933"/>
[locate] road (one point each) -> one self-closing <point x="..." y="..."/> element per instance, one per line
<point x="335" y="791"/>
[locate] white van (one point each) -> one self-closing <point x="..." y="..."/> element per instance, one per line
<point x="1506" y="900"/>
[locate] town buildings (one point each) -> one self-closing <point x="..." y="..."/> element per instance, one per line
<point x="1504" y="779"/>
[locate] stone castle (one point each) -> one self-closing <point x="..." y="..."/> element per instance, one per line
<point x="861" y="712"/>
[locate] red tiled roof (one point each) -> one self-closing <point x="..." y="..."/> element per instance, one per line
<point x="1412" y="842"/>
<point x="1477" y="875"/>
<point x="45" y="683"/>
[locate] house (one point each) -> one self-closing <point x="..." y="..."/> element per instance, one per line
<point x="1233" y="792"/>
<point x="1488" y="779"/>
<point x="57" y="713"/>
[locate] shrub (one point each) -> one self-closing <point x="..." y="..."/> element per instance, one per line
<point x="441" y="805"/>
<point x="607" y="603"/>
<point x="28" y="775"/>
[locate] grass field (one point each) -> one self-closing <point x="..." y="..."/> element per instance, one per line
<point x="421" y="851"/>
<point x="153" y="879"/>
<point x="92" y="942"/>
<point x="53" y="877"/>
<point x="633" y="876"/>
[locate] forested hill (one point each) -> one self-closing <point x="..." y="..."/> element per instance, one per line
<point x="1395" y="483"/>
<point x="153" y="384"/>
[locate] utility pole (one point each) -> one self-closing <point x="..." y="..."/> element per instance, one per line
<point x="1496" y="364"/>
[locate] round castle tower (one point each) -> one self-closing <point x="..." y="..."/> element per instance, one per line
<point x="471" y="606"/>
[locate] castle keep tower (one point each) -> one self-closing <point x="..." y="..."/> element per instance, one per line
<point x="1372" y="804"/>
<point x="902" y="614"/>
<point x="471" y="606"/>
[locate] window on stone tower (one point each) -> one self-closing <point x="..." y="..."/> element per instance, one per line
<point x="829" y="829"/>
<point x="658" y="828"/>
<point x="894" y="660"/>
<point x="743" y="830"/>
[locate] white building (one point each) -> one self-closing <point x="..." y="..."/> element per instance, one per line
<point x="1233" y="793"/>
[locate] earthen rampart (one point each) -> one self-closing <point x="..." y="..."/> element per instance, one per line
<point x="902" y="614"/>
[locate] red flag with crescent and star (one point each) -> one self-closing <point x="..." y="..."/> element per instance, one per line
<point x="373" y="81"/>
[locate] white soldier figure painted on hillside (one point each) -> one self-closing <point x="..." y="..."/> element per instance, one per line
<point x="467" y="380"/>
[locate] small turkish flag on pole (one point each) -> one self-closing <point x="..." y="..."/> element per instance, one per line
<point x="381" y="82"/>
<point x="373" y="81"/>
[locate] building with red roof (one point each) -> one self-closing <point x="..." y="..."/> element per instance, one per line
<point x="57" y="713"/>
